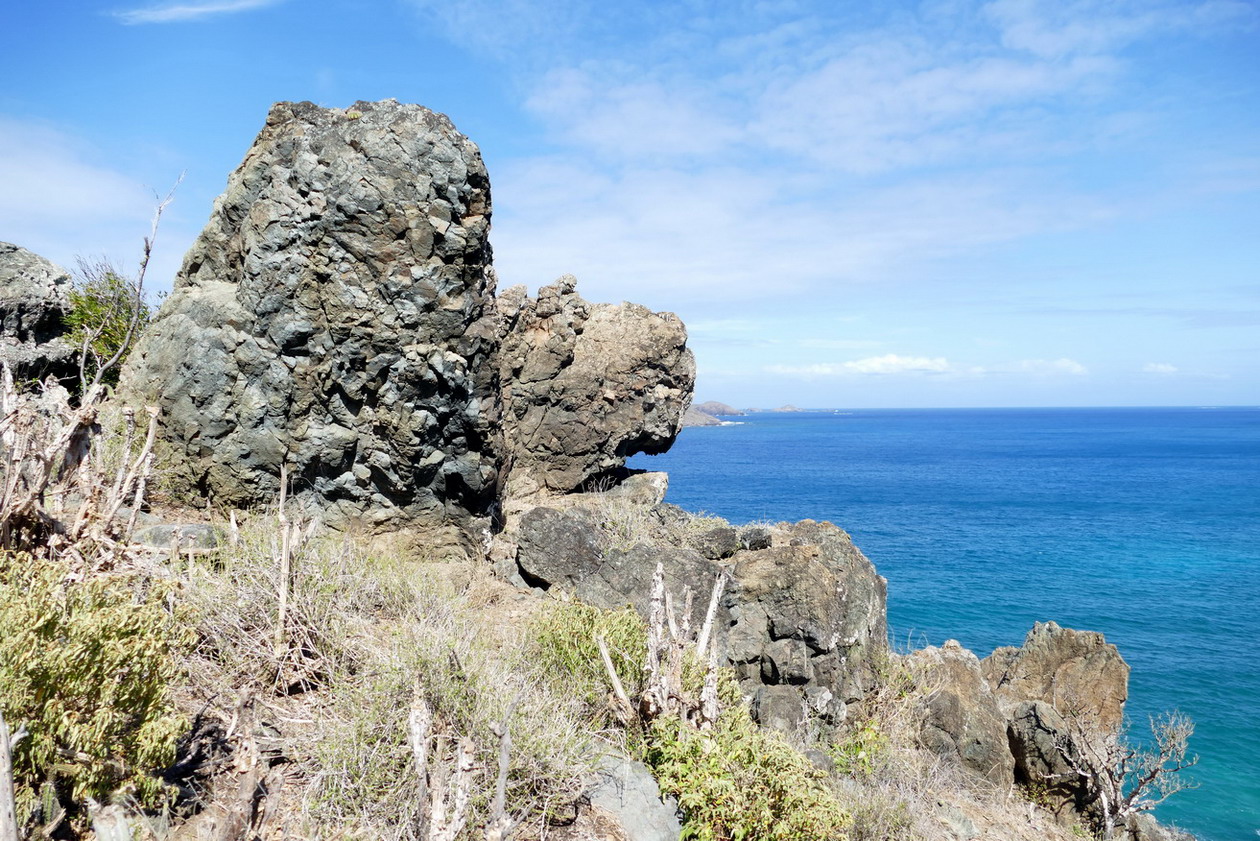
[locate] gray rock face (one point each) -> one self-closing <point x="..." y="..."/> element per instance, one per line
<point x="568" y="550"/>
<point x="34" y="302"/>
<point x="1074" y="671"/>
<point x="808" y="610"/>
<point x="624" y="804"/>
<point x="330" y="319"/>
<point x="586" y="385"/>
<point x="802" y="621"/>
<point x="1039" y="739"/>
<point x="962" y="719"/>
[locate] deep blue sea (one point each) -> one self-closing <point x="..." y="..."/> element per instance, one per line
<point x="1140" y="523"/>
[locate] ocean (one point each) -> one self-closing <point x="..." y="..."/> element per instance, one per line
<point x="1140" y="523"/>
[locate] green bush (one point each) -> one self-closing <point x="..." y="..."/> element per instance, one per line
<point x="103" y="305"/>
<point x="738" y="782"/>
<point x="85" y="666"/>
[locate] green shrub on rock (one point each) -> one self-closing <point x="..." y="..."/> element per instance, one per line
<point x="85" y="666"/>
<point x="739" y="782"/>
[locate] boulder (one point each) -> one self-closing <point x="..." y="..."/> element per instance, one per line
<point x="623" y="804"/>
<point x="332" y="320"/>
<point x="1077" y="672"/>
<point x="961" y="716"/>
<point x="584" y="386"/>
<point x="34" y="303"/>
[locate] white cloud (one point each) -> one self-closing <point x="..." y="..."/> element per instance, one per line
<point x="177" y="12"/>
<point x="889" y="363"/>
<point x="1159" y="368"/>
<point x="1055" y="28"/>
<point x="1052" y="367"/>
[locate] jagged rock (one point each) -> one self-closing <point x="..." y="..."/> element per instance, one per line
<point x="584" y="386"/>
<point x="329" y="319"/>
<point x="962" y="719"/>
<point x="779" y="707"/>
<point x="34" y="302"/>
<point x="1076" y="672"/>
<point x="1041" y="744"/>
<point x="807" y="611"/>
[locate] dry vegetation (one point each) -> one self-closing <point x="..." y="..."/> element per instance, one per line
<point x="291" y="684"/>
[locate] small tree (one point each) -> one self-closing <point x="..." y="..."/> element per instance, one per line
<point x="1124" y="780"/>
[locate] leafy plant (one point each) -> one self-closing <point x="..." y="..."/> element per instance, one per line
<point x="107" y="314"/>
<point x="738" y="782"/>
<point x="85" y="666"/>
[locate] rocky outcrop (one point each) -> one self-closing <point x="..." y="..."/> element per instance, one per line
<point x="336" y="320"/>
<point x="962" y="720"/>
<point x="34" y="302"/>
<point x="327" y="317"/>
<point x="1041" y="746"/>
<point x="584" y="386"/>
<point x="1076" y="672"/>
<point x="327" y="321"/>
<point x="802" y="618"/>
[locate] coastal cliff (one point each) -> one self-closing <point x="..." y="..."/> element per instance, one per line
<point x="337" y="370"/>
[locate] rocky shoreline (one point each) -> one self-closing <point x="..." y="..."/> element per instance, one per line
<point x="337" y="327"/>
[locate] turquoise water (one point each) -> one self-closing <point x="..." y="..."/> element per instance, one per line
<point x="1140" y="523"/>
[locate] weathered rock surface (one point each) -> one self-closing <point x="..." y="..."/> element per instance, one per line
<point x="1076" y="672"/>
<point x="336" y="318"/>
<point x="802" y="619"/>
<point x="808" y="610"/>
<point x="34" y="302"/>
<point x="328" y="320"/>
<point x="586" y="385"/>
<point x="1041" y="746"/>
<point x="962" y="719"/>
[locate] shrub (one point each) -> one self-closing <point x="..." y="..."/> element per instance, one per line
<point x="738" y="782"/>
<point x="85" y="666"/>
<point x="107" y="313"/>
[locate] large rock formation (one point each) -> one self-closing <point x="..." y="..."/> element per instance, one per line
<point x="336" y="318"/>
<point x="34" y="302"/>
<point x="1076" y="672"/>
<point x="586" y="385"/>
<point x="326" y="320"/>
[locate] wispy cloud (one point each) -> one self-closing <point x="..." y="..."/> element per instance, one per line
<point x="178" y="12"/>
<point x="889" y="363"/>
<point x="1052" y="367"/>
<point x="1159" y="368"/>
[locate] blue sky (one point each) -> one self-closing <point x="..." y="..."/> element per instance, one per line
<point x="1007" y="203"/>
